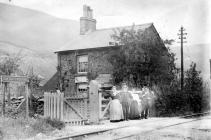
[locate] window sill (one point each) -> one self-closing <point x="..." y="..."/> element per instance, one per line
<point x="81" y="74"/>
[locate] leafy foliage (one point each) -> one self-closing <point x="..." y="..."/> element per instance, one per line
<point x="44" y="125"/>
<point x="194" y="98"/>
<point x="141" y="59"/>
<point x="34" y="81"/>
<point x="194" y="88"/>
<point x="9" y="64"/>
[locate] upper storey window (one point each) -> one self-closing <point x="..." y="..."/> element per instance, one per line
<point x="82" y="64"/>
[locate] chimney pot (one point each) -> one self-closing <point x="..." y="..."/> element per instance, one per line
<point x="87" y="23"/>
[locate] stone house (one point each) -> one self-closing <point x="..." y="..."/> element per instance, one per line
<point x="85" y="58"/>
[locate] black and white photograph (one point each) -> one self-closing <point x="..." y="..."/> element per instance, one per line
<point x="105" y="70"/>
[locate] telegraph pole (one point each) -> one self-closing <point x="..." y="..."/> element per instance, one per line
<point x="210" y="68"/>
<point x="182" y="38"/>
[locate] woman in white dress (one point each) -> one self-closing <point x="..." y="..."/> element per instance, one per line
<point x="116" y="113"/>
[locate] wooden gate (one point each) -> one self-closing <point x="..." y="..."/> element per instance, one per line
<point x="53" y="105"/>
<point x="71" y="109"/>
<point x="98" y="103"/>
<point x="78" y="109"/>
<point x="105" y="101"/>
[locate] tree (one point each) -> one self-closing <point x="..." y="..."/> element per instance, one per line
<point x="194" y="89"/>
<point x="140" y="59"/>
<point x="8" y="65"/>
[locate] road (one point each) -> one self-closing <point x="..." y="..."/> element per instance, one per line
<point x="161" y="129"/>
<point x="150" y="129"/>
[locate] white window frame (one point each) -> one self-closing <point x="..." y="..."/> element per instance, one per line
<point x="84" y="61"/>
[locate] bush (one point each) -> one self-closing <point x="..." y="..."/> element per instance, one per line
<point x="55" y="123"/>
<point x="169" y="101"/>
<point x="46" y="125"/>
<point x="193" y="89"/>
<point x="1" y="135"/>
<point x="194" y="98"/>
<point x="41" y="126"/>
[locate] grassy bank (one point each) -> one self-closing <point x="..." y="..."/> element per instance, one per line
<point x="21" y="128"/>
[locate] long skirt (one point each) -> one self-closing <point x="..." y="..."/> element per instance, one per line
<point x="145" y="109"/>
<point x="126" y="109"/>
<point x="116" y="113"/>
<point x="134" y="110"/>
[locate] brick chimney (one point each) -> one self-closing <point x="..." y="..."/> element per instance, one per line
<point x="87" y="23"/>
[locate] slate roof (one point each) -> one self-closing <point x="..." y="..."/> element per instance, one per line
<point x="51" y="84"/>
<point x="98" y="38"/>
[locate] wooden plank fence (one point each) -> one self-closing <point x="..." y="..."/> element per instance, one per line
<point x="54" y="105"/>
<point x="70" y="110"/>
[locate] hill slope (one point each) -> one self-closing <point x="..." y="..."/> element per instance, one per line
<point x="42" y="64"/>
<point x="198" y="53"/>
<point x="37" y="35"/>
<point x="35" y="30"/>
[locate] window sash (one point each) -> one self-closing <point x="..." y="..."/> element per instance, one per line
<point x="82" y="64"/>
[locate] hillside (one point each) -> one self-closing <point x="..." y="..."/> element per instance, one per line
<point x="37" y="35"/>
<point x="34" y="30"/>
<point x="42" y="64"/>
<point x="198" y="53"/>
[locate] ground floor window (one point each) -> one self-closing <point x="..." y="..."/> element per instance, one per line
<point x="82" y="87"/>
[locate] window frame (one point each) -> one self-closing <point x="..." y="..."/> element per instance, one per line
<point x="78" y="66"/>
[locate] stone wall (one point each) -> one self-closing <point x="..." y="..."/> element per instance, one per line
<point x="97" y="64"/>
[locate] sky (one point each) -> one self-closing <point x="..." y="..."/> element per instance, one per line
<point x="167" y="15"/>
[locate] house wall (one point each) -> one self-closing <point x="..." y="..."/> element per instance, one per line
<point x="97" y="60"/>
<point x="97" y="64"/>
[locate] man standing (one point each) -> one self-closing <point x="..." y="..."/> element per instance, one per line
<point x="146" y="99"/>
<point x="125" y="99"/>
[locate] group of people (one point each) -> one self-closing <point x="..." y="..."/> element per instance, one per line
<point x="131" y="105"/>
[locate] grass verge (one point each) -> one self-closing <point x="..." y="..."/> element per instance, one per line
<point x="21" y="128"/>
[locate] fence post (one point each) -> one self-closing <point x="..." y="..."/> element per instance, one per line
<point x="44" y="104"/>
<point x="54" y="100"/>
<point x="47" y="103"/>
<point x="100" y="105"/>
<point x="86" y="109"/>
<point x="27" y="100"/>
<point x="51" y="104"/>
<point x="62" y="106"/>
<point x="58" y="105"/>
<point x="94" y="102"/>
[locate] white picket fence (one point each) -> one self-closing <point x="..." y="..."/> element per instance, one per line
<point x="53" y="105"/>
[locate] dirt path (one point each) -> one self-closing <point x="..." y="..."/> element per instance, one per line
<point x="193" y="130"/>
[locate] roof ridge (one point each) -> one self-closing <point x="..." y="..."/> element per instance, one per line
<point x="97" y="38"/>
<point x="150" y="23"/>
